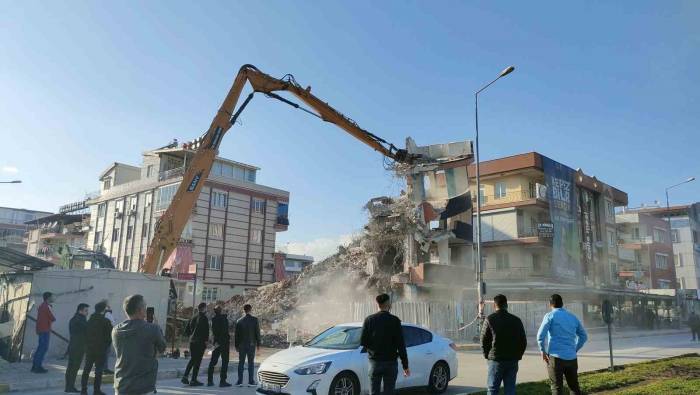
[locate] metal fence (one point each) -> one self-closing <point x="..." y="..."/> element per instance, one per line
<point x="457" y="320"/>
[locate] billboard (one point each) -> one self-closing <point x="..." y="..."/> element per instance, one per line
<point x="561" y="193"/>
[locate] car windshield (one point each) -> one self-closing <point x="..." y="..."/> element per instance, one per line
<point x="337" y="338"/>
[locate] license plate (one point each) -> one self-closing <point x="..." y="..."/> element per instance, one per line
<point x="270" y="387"/>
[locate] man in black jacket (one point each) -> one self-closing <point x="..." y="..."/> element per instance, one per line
<point x="198" y="331"/>
<point x="382" y="336"/>
<point x="247" y="341"/>
<point x="503" y="342"/>
<point x="77" y="327"/>
<point x="219" y="329"/>
<point x="98" y="339"/>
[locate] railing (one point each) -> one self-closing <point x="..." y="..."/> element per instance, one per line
<point x="636" y="240"/>
<point x="509" y="197"/>
<point x="172" y="173"/>
<point x="282" y="220"/>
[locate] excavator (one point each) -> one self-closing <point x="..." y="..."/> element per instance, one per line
<point x="170" y="226"/>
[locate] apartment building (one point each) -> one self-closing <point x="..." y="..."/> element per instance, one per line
<point x="54" y="237"/>
<point x="546" y="226"/>
<point x="685" y="235"/>
<point x="290" y="265"/>
<point x="645" y="252"/>
<point x="228" y="243"/>
<point x="13" y="226"/>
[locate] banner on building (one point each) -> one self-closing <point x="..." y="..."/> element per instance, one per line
<point x="561" y="193"/>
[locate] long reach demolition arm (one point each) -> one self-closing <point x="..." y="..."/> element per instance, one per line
<point x="170" y="226"/>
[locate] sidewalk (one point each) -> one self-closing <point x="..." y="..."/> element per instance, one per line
<point x="16" y="377"/>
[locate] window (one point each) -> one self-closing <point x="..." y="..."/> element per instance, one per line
<point x="115" y="235"/>
<point x="635" y="233"/>
<point x="132" y="203"/>
<point x="415" y="336"/>
<point x="482" y="194"/>
<point x="216" y="231"/>
<point x="256" y="236"/>
<point x="662" y="261"/>
<point x="536" y="262"/>
<point x="610" y="207"/>
<point x="141" y="258"/>
<point x="682" y="279"/>
<point x="502" y="261"/>
<point x="258" y="206"/>
<point x="499" y="190"/>
<point x="611" y="239"/>
<point x="675" y="236"/>
<point x="214" y="262"/>
<point x="250" y="175"/>
<point x="440" y="179"/>
<point x="144" y="229"/>
<point x="119" y="206"/>
<point x="679" y="260"/>
<point x="127" y="261"/>
<point x="216" y="169"/>
<point x="659" y="235"/>
<point x="149" y="199"/>
<point x="695" y="237"/>
<point x="98" y="238"/>
<point x="218" y="199"/>
<point x="637" y="256"/>
<point x="238" y="173"/>
<point x="253" y="265"/>
<point x="149" y="170"/>
<point x="165" y="196"/>
<point x="107" y="184"/>
<point x="101" y="210"/>
<point x="129" y="232"/>
<point x="210" y="294"/>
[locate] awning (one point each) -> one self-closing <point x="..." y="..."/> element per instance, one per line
<point x="15" y="261"/>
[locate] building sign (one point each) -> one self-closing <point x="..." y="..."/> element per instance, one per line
<point x="586" y="215"/>
<point x="545" y="230"/>
<point x="561" y="193"/>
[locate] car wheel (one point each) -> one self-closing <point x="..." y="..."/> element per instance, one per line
<point x="345" y="384"/>
<point x="439" y="378"/>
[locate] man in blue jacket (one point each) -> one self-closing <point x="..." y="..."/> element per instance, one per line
<point x="565" y="336"/>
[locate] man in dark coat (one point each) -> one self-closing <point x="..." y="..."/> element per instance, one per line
<point x="98" y="339"/>
<point x="247" y="341"/>
<point x="503" y="342"/>
<point x="77" y="327"/>
<point x="198" y="331"/>
<point x="220" y="331"/>
<point x="694" y="324"/>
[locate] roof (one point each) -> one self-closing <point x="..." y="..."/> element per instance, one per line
<point x="533" y="160"/>
<point x="65" y="218"/>
<point x="180" y="150"/>
<point x="27" y="210"/>
<point x="673" y="210"/>
<point x="115" y="164"/>
<point x="15" y="261"/>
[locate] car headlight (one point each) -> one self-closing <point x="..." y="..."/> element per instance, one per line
<point x="316" y="368"/>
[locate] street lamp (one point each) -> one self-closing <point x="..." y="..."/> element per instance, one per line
<point x="668" y="207"/>
<point x="11" y="182"/>
<point x="479" y="263"/>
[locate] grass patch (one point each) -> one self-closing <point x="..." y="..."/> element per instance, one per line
<point x="676" y="375"/>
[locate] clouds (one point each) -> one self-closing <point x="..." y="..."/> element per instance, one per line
<point x="318" y="248"/>
<point x="9" y="170"/>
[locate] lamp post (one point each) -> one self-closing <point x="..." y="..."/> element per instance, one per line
<point x="11" y="182"/>
<point x="479" y="263"/>
<point x="668" y="207"/>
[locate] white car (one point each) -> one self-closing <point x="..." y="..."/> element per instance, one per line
<point x="334" y="363"/>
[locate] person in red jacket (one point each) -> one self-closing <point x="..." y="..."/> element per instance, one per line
<point x="44" y="320"/>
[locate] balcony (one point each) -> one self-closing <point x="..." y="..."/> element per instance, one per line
<point x="442" y="275"/>
<point x="635" y="240"/>
<point x="172" y="173"/>
<point x="282" y="222"/>
<point x="512" y="198"/>
<point x="516" y="273"/>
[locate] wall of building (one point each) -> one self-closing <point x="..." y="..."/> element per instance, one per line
<point x="94" y="286"/>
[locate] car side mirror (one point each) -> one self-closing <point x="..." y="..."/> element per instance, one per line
<point x="363" y="350"/>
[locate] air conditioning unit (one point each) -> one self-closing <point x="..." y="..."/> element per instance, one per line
<point x="118" y="214"/>
<point x="541" y="191"/>
<point x="132" y="212"/>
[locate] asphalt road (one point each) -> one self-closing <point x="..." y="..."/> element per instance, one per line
<point x="472" y="372"/>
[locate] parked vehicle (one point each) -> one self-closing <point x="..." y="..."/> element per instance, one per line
<point x="334" y="363"/>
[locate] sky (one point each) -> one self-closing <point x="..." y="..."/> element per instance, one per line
<point x="608" y="87"/>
